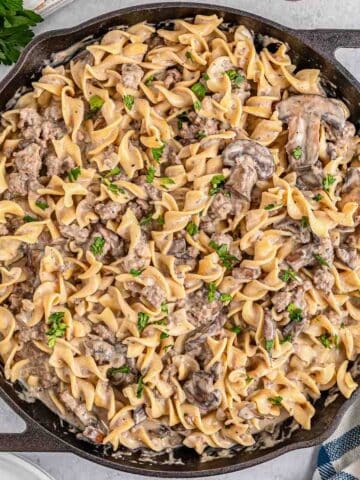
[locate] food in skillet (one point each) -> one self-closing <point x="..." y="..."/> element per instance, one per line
<point x="179" y="238"/>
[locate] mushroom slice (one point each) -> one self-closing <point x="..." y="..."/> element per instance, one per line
<point x="250" y="162"/>
<point x="303" y="114"/>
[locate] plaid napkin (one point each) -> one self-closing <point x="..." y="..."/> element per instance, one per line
<point x="45" y="7"/>
<point x="339" y="457"/>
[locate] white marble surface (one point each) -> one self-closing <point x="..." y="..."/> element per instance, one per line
<point x="297" y="465"/>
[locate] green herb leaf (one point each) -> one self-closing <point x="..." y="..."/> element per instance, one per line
<point x="295" y="313"/>
<point x="269" y="345"/>
<point x="160" y="220"/>
<point x="275" y="400"/>
<point x="112" y="187"/>
<point x="321" y="260"/>
<point x="317" y="197"/>
<point x="97" y="245"/>
<point x="114" y="171"/>
<point x="135" y="273"/>
<point x="228" y="260"/>
<point x="192" y="229"/>
<point x="57" y="328"/>
<point x="287" y="338"/>
<point x="236" y="329"/>
<point x="166" y="348"/>
<point x="248" y="379"/>
<point x="297" y="152"/>
<point x="328" y="181"/>
<point x="150" y="174"/>
<point x="271" y="206"/>
<point x="164" y="335"/>
<point x="149" y="80"/>
<point x="287" y="275"/>
<point x="225" y="297"/>
<point x="140" y="388"/>
<point x="95" y="103"/>
<point x="28" y="218"/>
<point x="164" y="308"/>
<point x="74" y="174"/>
<point x="143" y="320"/>
<point x="114" y="370"/>
<point x="217" y="182"/>
<point x="157" y="152"/>
<point x="235" y="77"/>
<point x="146" y="220"/>
<point x="325" y="339"/>
<point x="189" y="56"/>
<point x="166" y="181"/>
<point x="197" y="105"/>
<point x="129" y="101"/>
<point x="200" y="90"/>
<point x="211" y="291"/>
<point x="41" y="204"/>
<point x="206" y="76"/>
<point x="200" y="135"/>
<point x="304" y="222"/>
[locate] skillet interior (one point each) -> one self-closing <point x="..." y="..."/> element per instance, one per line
<point x="325" y="419"/>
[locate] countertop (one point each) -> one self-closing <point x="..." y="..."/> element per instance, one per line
<point x="297" y="465"/>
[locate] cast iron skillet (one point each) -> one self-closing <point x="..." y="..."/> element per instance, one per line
<point x="310" y="49"/>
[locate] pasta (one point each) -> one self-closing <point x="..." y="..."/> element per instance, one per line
<point x="179" y="237"/>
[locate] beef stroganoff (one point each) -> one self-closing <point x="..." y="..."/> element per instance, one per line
<point x="179" y="238"/>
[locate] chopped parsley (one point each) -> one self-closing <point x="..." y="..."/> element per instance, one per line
<point x="164" y="335"/>
<point x="181" y="119"/>
<point x="206" y="76"/>
<point x="211" y="291"/>
<point x="297" y="152"/>
<point x="150" y="175"/>
<point x="74" y="173"/>
<point x="95" y="104"/>
<point x="327" y="182"/>
<point x="189" y="56"/>
<point x="197" y="105"/>
<point x="192" y="229"/>
<point x="325" y="339"/>
<point x="129" y="101"/>
<point x="228" y="260"/>
<point x="275" y="400"/>
<point x="317" y="197"/>
<point x="235" y="77"/>
<point x="248" y="379"/>
<point x="112" y="187"/>
<point x="114" y="370"/>
<point x="287" y="338"/>
<point x="146" y="220"/>
<point x="166" y="181"/>
<point x="200" y="90"/>
<point x="166" y="348"/>
<point x="135" y="272"/>
<point x="114" y="171"/>
<point x="217" y="182"/>
<point x="140" y="388"/>
<point x="295" y="313"/>
<point x="149" y="80"/>
<point x="271" y="206"/>
<point x="97" y="245"/>
<point x="304" y="222"/>
<point x="41" y="204"/>
<point x="200" y="135"/>
<point x="236" y="329"/>
<point x="164" y="308"/>
<point x="28" y="218"/>
<point x="269" y="345"/>
<point x="225" y="297"/>
<point x="57" y="328"/>
<point x="157" y="152"/>
<point x="287" y="275"/>
<point x="321" y="260"/>
<point x="160" y="220"/>
<point x="143" y="320"/>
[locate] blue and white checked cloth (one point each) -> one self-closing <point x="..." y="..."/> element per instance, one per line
<point x="339" y="457"/>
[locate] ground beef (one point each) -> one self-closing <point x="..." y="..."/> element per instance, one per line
<point x="221" y="206"/>
<point x="246" y="274"/>
<point x="347" y="255"/>
<point x="28" y="160"/>
<point x="154" y="295"/>
<point x="74" y="232"/>
<point x="18" y="184"/>
<point x="131" y="75"/>
<point x="197" y="125"/>
<point x="104" y="333"/>
<point x="57" y="166"/>
<point x="301" y="234"/>
<point x="323" y="279"/>
<point x="199" y="310"/>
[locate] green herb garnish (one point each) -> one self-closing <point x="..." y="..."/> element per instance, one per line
<point x="149" y="80"/>
<point x="114" y="171"/>
<point x="146" y="220"/>
<point x="112" y="187"/>
<point x="236" y="329"/>
<point x="114" y="370"/>
<point x="140" y="388"/>
<point x="287" y="275"/>
<point x="211" y="291"/>
<point x="166" y="348"/>
<point x="327" y="182"/>
<point x="41" y="204"/>
<point x="228" y="260"/>
<point x="248" y="379"/>
<point x="269" y="345"/>
<point x="95" y="104"/>
<point x="189" y="56"/>
<point x="150" y="174"/>
<point x="271" y="206"/>
<point x="135" y="272"/>
<point x="166" y="181"/>
<point x="157" y="152"/>
<point x="225" y="297"/>
<point x="200" y="90"/>
<point x="74" y="173"/>
<point x="160" y="220"/>
<point x="235" y="77"/>
<point x="321" y="260"/>
<point x="297" y="153"/>
<point x="200" y="135"/>
<point x="304" y="222"/>
<point x="197" y="105"/>
<point x="295" y="313"/>
<point x="97" y="245"/>
<point x="143" y="320"/>
<point x="28" y="218"/>
<point x="164" y="308"/>
<point x="325" y="339"/>
<point x="217" y="182"/>
<point x="287" y="338"/>
<point x="192" y="229"/>
<point x="129" y="101"/>
<point x="164" y="335"/>
<point x="275" y="400"/>
<point x="57" y="328"/>
<point x="317" y="197"/>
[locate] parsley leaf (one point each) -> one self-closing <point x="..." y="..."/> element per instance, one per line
<point x="217" y="182"/>
<point x="318" y="197"/>
<point x="135" y="273"/>
<point x="271" y="206"/>
<point x="225" y="297"/>
<point x="325" y="339"/>
<point x="248" y="379"/>
<point x="164" y="335"/>
<point x="160" y="220"/>
<point x="146" y="220"/>
<point x="114" y="370"/>
<point x="297" y="152"/>
<point x="206" y="76"/>
<point x="164" y="308"/>
<point x="327" y="182"/>
<point x="95" y="103"/>
<point x="140" y="388"/>
<point x="304" y="222"/>
<point x="114" y="171"/>
<point x="112" y="187"/>
<point x="236" y="329"/>
<point x="295" y="313"/>
<point x="41" y="204"/>
<point x="189" y="56"/>
<point x="235" y="77"/>
<point x="200" y="135"/>
<point x="149" y="80"/>
<point x="192" y="229"/>
<point x="166" y="181"/>
<point x="228" y="260"/>
<point x="200" y="90"/>
<point x="275" y="400"/>
<point x="211" y="291"/>
<point x="129" y="101"/>
<point x="287" y="275"/>
<point x="97" y="245"/>
<point x="269" y="345"/>
<point x="57" y="328"/>
<point x="150" y="174"/>
<point x="143" y="320"/>
<point x="157" y="152"/>
<point x="321" y="260"/>
<point x="74" y="173"/>
<point x="197" y="105"/>
<point x="28" y="218"/>
<point x="287" y="338"/>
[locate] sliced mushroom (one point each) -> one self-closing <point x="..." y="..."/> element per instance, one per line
<point x="200" y="391"/>
<point x="250" y="162"/>
<point x="303" y="114"/>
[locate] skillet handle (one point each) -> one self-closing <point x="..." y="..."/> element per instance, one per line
<point x="33" y="439"/>
<point x="328" y="41"/>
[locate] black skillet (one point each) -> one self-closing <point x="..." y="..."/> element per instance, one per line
<point x="309" y="49"/>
